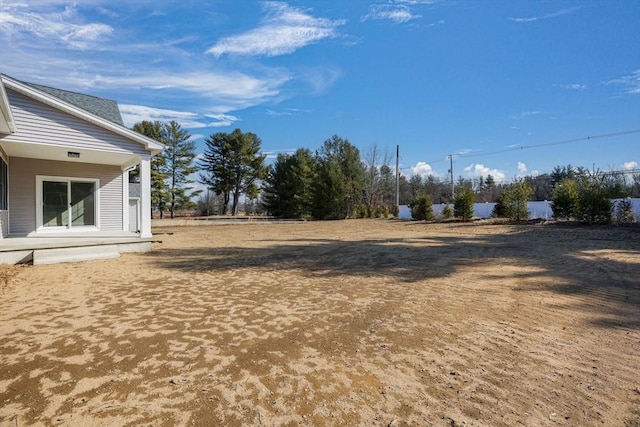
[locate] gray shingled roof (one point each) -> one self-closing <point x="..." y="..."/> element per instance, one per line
<point x="102" y="107"/>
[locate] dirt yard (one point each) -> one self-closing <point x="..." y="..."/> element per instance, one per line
<point x="346" y="323"/>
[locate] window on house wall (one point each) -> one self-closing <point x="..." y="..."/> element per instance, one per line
<point x="4" y="186"/>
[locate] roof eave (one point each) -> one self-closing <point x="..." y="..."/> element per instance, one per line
<point x="7" y="123"/>
<point x="154" y="147"/>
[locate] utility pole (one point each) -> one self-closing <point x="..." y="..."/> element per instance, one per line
<point x="451" y="170"/>
<point x="398" y="176"/>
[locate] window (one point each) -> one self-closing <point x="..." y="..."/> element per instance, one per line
<point x="66" y="203"/>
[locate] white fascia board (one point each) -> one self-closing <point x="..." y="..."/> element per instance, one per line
<point x="154" y="147"/>
<point x="5" y="109"/>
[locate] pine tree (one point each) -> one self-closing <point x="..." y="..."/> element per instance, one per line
<point x="180" y="154"/>
<point x="339" y="187"/>
<point x="232" y="166"/>
<point x="463" y="203"/>
<point x="288" y="186"/>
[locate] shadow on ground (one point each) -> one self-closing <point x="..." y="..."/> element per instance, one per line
<point x="563" y="259"/>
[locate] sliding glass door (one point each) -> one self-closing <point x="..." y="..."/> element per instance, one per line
<point x="66" y="203"/>
<point x="83" y="204"/>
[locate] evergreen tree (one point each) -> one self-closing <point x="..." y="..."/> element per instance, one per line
<point x="463" y="203"/>
<point x="288" y="190"/>
<point x="422" y="208"/>
<point x="565" y="200"/>
<point x="232" y="166"/>
<point x="594" y="204"/>
<point x="179" y="154"/>
<point x="514" y="200"/>
<point x="338" y="189"/>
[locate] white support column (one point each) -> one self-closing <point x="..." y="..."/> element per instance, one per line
<point x="145" y="197"/>
<point x="125" y="200"/>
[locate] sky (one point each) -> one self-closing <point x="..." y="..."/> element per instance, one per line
<point x="507" y="88"/>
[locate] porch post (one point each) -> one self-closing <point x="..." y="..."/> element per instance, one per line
<point x="145" y="197"/>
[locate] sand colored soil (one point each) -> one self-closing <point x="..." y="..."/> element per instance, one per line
<point x="346" y="323"/>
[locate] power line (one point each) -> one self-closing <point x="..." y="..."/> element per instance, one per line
<point x="545" y="144"/>
<point x="548" y="144"/>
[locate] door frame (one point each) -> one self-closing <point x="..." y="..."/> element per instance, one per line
<point x="40" y="228"/>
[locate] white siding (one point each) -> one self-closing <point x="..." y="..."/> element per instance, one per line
<point x="22" y="190"/>
<point x="39" y="123"/>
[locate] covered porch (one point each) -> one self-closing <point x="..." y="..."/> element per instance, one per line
<point x="52" y="249"/>
<point x="65" y="160"/>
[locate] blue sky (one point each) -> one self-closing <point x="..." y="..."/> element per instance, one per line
<point x="500" y="85"/>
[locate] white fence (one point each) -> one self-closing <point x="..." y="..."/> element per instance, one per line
<point x="536" y="209"/>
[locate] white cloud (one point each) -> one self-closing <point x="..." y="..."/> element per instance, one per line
<point x="132" y="114"/>
<point x="232" y="85"/>
<point x="60" y="27"/>
<point x="221" y="120"/>
<point x="286" y="112"/>
<point x="630" y="82"/>
<point x="423" y="169"/>
<point x="522" y="169"/>
<point x="397" y="13"/>
<point x="574" y="86"/>
<point x="476" y="170"/>
<point x="566" y="11"/>
<point x="629" y="166"/>
<point x="284" y="30"/>
<point x="273" y="154"/>
<point x="526" y="114"/>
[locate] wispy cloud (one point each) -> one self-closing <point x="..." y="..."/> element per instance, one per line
<point x="286" y="112"/>
<point x="132" y="114"/>
<point x="272" y="154"/>
<point x="574" y="86"/>
<point x="398" y="13"/>
<point x="630" y="83"/>
<point x="221" y="120"/>
<point x="561" y="12"/>
<point x="284" y="30"/>
<point x="66" y="27"/>
<point x="231" y="86"/>
<point x="526" y="114"/>
<point x="464" y="152"/>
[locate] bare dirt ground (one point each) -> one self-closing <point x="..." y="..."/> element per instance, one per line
<point x="346" y="323"/>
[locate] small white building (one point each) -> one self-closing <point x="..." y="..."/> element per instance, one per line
<point x="65" y="159"/>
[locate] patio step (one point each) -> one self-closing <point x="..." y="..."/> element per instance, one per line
<point x="73" y="254"/>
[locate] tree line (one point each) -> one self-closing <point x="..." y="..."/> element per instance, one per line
<point x="336" y="181"/>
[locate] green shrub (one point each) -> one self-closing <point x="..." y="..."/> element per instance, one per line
<point x="594" y="204"/>
<point x="513" y="201"/>
<point x="422" y="208"/>
<point x="463" y="204"/>
<point x="565" y="200"/>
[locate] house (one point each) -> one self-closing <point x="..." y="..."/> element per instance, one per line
<point x="64" y="176"/>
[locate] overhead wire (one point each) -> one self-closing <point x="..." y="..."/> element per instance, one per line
<point x="523" y="147"/>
